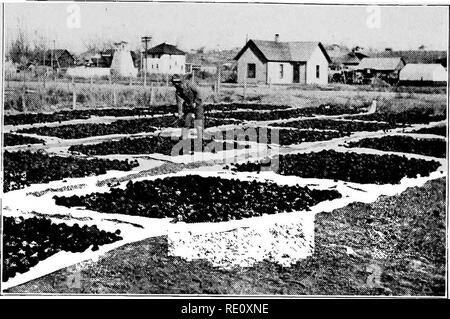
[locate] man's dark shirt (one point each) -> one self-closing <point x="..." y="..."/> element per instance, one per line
<point x="189" y="93"/>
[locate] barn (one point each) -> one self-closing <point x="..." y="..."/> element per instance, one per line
<point x="423" y="74"/>
<point x="385" y="68"/>
<point x="279" y="62"/>
<point x="61" y="59"/>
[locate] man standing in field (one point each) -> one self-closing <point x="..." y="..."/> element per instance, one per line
<point x="189" y="101"/>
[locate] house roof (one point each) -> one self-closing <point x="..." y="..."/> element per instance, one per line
<point x="349" y="58"/>
<point x="382" y="64"/>
<point x="415" y="56"/>
<point x="283" y="51"/>
<point x="165" y="48"/>
<point x="57" y="53"/>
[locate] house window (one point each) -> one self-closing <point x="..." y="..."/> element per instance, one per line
<point x="281" y="71"/>
<point x="317" y="71"/>
<point x="251" y="70"/>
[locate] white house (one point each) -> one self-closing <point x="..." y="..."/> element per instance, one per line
<point x="282" y="62"/>
<point x="165" y="59"/>
<point x="424" y="73"/>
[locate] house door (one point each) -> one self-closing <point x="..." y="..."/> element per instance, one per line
<point x="299" y="73"/>
<point x="302" y="73"/>
<point x="296" y="73"/>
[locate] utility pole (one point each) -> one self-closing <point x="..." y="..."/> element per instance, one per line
<point x="145" y="40"/>
<point x="53" y="52"/>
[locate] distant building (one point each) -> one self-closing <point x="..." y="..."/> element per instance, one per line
<point x="193" y="62"/>
<point x="282" y="62"/>
<point x="423" y="74"/>
<point x="102" y="59"/>
<point x="384" y="68"/>
<point x="415" y="56"/>
<point x="122" y="62"/>
<point x="61" y="59"/>
<point x="166" y="59"/>
<point x="348" y="61"/>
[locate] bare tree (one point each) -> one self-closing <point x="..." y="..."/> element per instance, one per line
<point x="20" y="49"/>
<point x="96" y="44"/>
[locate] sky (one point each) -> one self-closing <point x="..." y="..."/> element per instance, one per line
<point x="225" y="26"/>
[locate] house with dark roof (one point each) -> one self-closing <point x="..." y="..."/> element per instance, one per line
<point x="387" y="69"/>
<point x="61" y="59"/>
<point x="348" y="61"/>
<point x="282" y="62"/>
<point x="165" y="59"/>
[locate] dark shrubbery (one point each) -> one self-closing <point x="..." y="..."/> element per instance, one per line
<point x="346" y="166"/>
<point x="436" y="130"/>
<point x="133" y="126"/>
<point x="342" y="126"/>
<point x="193" y="199"/>
<point x="277" y="136"/>
<point x="409" y="116"/>
<point x="24" y="168"/>
<point x="17" y="139"/>
<point x="28" y="241"/>
<point x="153" y="144"/>
<point x="405" y="144"/>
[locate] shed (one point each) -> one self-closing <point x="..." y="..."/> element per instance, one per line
<point x="423" y="73"/>
<point x="381" y="64"/>
<point x="61" y="58"/>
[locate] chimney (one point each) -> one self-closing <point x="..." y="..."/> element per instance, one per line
<point x="277" y="37"/>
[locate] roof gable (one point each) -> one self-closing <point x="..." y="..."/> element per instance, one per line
<point x="165" y="48"/>
<point x="415" y="56"/>
<point x="380" y="63"/>
<point x="283" y="51"/>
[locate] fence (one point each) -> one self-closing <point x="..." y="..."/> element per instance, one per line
<point x="29" y="91"/>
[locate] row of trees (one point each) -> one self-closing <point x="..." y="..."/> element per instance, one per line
<point x="23" y="50"/>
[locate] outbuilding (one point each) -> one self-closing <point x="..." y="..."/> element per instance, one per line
<point x="276" y="62"/>
<point x="387" y="69"/>
<point x="423" y="74"/>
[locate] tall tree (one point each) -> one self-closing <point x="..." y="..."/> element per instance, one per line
<point x="20" y="49"/>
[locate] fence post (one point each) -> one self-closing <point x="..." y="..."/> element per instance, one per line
<point x="74" y="95"/>
<point x="245" y="87"/>
<point x="24" y="105"/>
<point x="218" y="80"/>
<point x="151" y="93"/>
<point x="115" y="92"/>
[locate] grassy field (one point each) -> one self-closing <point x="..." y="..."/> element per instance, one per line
<point x="395" y="246"/>
<point x="58" y="95"/>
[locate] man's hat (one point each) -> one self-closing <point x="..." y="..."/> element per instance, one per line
<point x="176" y="78"/>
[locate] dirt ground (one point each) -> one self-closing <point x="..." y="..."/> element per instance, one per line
<point x="394" y="246"/>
